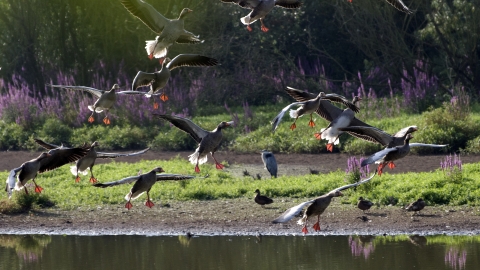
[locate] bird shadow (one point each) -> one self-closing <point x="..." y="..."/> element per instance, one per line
<point x="270" y="207"/>
<point x="376" y="214"/>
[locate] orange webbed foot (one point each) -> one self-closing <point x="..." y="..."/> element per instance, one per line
<point x="264" y="29"/>
<point x="318" y="135"/>
<point x="330" y="147"/>
<point x="150" y="56"/>
<point x="293" y="126"/>
<point x="77" y="179"/>
<point x="380" y="169"/>
<point x="311" y="123"/>
<point x="91" y="119"/>
<point x="38" y="189"/>
<point x="197" y="169"/>
<point x="316" y="227"/>
<point x="155" y="105"/>
<point x="249" y="28"/>
<point x="163" y="97"/>
<point x="93" y="180"/>
<point x="128" y="205"/>
<point x="149" y="204"/>
<point x="106" y="121"/>
<point x="219" y="166"/>
<point x="391" y="165"/>
<point x="304" y="230"/>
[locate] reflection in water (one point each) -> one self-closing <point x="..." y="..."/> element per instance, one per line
<point x="29" y="248"/>
<point x="185" y="239"/>
<point x="455" y="258"/>
<point x="361" y="245"/>
<point x="418" y="240"/>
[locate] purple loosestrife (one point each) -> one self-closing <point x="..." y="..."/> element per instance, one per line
<point x="455" y="258"/>
<point x="358" y="248"/>
<point x="354" y="172"/>
<point x="452" y="168"/>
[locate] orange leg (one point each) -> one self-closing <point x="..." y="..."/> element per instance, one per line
<point x="128" y="205"/>
<point x="294" y="126"/>
<point x="264" y="28"/>
<point x="149" y="203"/>
<point x="197" y="169"/>
<point x="91" y="119"/>
<point x="330" y="147"/>
<point x="318" y="135"/>
<point x="106" y="121"/>
<point x="304" y="229"/>
<point x="316" y="226"/>
<point x="163" y="97"/>
<point x="150" y="56"/>
<point x="155" y="105"/>
<point x="249" y="28"/>
<point x="380" y="168"/>
<point x="38" y="189"/>
<point x="93" y="180"/>
<point x="391" y="165"/>
<point x="217" y="164"/>
<point x="77" y="179"/>
<point x="311" y="123"/>
<point x="161" y="60"/>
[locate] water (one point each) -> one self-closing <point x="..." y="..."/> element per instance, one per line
<point x="239" y="252"/>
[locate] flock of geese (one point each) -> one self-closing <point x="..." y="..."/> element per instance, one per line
<point x="172" y="31"/>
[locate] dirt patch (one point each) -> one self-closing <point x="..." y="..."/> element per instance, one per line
<point x="243" y="216"/>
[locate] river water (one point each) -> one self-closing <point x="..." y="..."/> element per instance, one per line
<point x="239" y="252"/>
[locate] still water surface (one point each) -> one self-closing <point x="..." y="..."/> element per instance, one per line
<point x="239" y="252"/>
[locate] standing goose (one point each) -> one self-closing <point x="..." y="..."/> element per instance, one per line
<point x="262" y="200"/>
<point x="309" y="107"/>
<point x="379" y="136"/>
<point x="260" y="9"/>
<point x="106" y="99"/>
<point x="270" y="163"/>
<point x="51" y="160"/>
<point x="317" y="207"/>
<point x="416" y="206"/>
<point x="169" y="31"/>
<point x="87" y="162"/>
<point x="144" y="183"/>
<point x="332" y="132"/>
<point x="208" y="141"/>
<point x="363" y="204"/>
<point x="389" y="155"/>
<point x="158" y="80"/>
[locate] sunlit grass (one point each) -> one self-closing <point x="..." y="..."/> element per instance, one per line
<point x="435" y="188"/>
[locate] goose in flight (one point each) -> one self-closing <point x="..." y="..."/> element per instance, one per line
<point x="208" y="141"/>
<point x="168" y="30"/>
<point x="375" y="135"/>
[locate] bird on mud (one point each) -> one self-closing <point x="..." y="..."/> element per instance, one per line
<point x="169" y="31"/>
<point x="143" y="183"/>
<point x="416" y="206"/>
<point x="309" y="107"/>
<point x="208" y="141"/>
<point x="270" y="163"/>
<point x="88" y="161"/>
<point x="375" y="135"/>
<point x="159" y="79"/>
<point x="316" y="207"/>
<point x="389" y="155"/>
<point x="47" y="161"/>
<point x="106" y="98"/>
<point x="363" y="204"/>
<point x="260" y="9"/>
<point x="262" y="200"/>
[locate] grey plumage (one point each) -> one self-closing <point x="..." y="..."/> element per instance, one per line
<point x="270" y="163"/>
<point x="375" y="135"/>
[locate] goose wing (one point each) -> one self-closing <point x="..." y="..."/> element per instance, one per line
<point x="143" y="79"/>
<point x="196" y="132"/>
<point x="276" y="121"/>
<point x="11" y="179"/>
<point x="119" y="182"/>
<point x="93" y="91"/>
<point x="48" y="146"/>
<point x="380" y="154"/>
<point x="341" y="99"/>
<point x="399" y="5"/>
<point x="402" y="132"/>
<point x="290" y="4"/>
<point x="427" y="145"/>
<point x="147" y="14"/>
<point x="292" y="212"/>
<point x="248" y="4"/>
<point x="370" y="134"/>
<point x="174" y="177"/>
<point x="115" y="155"/>
<point x="61" y="156"/>
<point x="191" y="60"/>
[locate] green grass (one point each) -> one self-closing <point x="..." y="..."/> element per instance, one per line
<point x="435" y="187"/>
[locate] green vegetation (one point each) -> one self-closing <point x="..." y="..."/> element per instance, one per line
<point x="61" y="190"/>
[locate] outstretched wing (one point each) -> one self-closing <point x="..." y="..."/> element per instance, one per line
<point x="61" y="156"/>
<point x="93" y="91"/>
<point x="196" y="132"/>
<point x="174" y="177"/>
<point x="341" y="99"/>
<point x="248" y="4"/>
<point x="370" y="134"/>
<point x="276" y="121"/>
<point x="427" y="145"/>
<point x="46" y="145"/>
<point x="115" y="155"/>
<point x="402" y="132"/>
<point x="354" y="184"/>
<point x="292" y="212"/>
<point x="379" y="155"/>
<point x="191" y="60"/>
<point x="290" y="4"/>
<point x="147" y="14"/>
<point x="119" y="182"/>
<point x="11" y="181"/>
<point x="143" y="79"/>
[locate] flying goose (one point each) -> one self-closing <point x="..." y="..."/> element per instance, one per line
<point x="332" y="132"/>
<point x="260" y="9"/>
<point x="262" y="200"/>
<point x="87" y="162"/>
<point x="208" y="141"/>
<point x="375" y="135"/>
<point x="363" y="204"/>
<point x="143" y="183"/>
<point x="159" y="79"/>
<point x="270" y="162"/>
<point x="416" y="206"/>
<point x="168" y="30"/>
<point x="389" y="155"/>
<point x="317" y="207"/>
<point x="309" y="107"/>
<point x="47" y="161"/>
<point x="106" y="98"/>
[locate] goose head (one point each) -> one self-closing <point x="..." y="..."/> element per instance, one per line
<point x="335" y="194"/>
<point x="224" y="124"/>
<point x="115" y="87"/>
<point x="257" y="191"/>
<point x="184" y="13"/>
<point x="95" y="143"/>
<point x="356" y="99"/>
<point x="158" y="170"/>
<point x="408" y="138"/>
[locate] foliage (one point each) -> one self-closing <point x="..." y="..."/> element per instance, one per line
<point x="452" y="167"/>
<point x="21" y="202"/>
